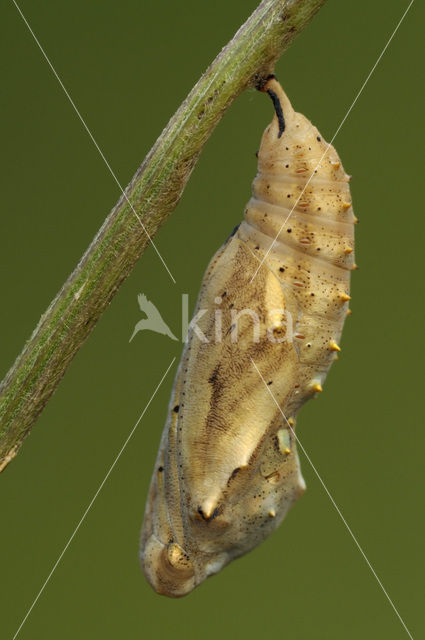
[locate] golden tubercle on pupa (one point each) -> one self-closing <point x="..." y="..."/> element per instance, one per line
<point x="333" y="346"/>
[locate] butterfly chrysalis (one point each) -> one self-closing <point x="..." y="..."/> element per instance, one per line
<point x="272" y="302"/>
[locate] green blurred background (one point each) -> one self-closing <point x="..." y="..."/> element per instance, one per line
<point x="128" y="65"/>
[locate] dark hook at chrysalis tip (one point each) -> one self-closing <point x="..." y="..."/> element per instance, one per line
<point x="276" y="102"/>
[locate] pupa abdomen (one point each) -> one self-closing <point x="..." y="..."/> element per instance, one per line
<point x="271" y="309"/>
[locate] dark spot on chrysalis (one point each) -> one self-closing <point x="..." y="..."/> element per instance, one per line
<point x="276" y="443"/>
<point x="176" y="408"/>
<point x="214" y="514"/>
<point x="319" y="138"/>
<point x="213" y="377"/>
<point x="234" y="230"/>
<point x="269" y="383"/>
<point x="288" y="230"/>
<point x="256" y="154"/>
<point x="233" y="474"/>
<point x="160" y="469"/>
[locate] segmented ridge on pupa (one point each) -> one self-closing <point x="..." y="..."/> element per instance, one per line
<point x="299" y="222"/>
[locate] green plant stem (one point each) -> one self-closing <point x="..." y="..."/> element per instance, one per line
<point x="153" y="193"/>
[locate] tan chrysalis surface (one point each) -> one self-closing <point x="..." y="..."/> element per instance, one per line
<point x="227" y="469"/>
